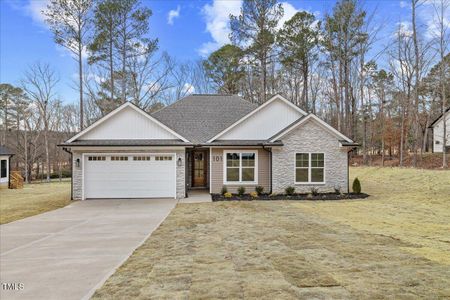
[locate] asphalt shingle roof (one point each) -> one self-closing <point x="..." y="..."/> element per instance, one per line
<point x="5" y="151"/>
<point x="198" y="118"/>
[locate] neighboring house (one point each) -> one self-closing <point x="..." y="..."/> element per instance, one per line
<point x="438" y="132"/>
<point x="5" y="160"/>
<point x="206" y="142"/>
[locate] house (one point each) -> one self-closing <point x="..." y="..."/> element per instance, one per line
<point x="207" y="142"/>
<point x="5" y="161"/>
<point x="438" y="132"/>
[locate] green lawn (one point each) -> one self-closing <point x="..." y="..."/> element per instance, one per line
<point x="393" y="244"/>
<point x="33" y="199"/>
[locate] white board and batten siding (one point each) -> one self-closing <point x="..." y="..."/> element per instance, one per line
<point x="265" y="123"/>
<point x="152" y="175"/>
<point x="438" y="134"/>
<point x="128" y="124"/>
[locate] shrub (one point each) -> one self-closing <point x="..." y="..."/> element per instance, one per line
<point x="314" y="191"/>
<point x="55" y="175"/>
<point x="259" y="189"/>
<point x="227" y="195"/>
<point x="224" y="190"/>
<point x="241" y="190"/>
<point x="254" y="194"/>
<point x="337" y="189"/>
<point x="356" y="187"/>
<point x="290" y="190"/>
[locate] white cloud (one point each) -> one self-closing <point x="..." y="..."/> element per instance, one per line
<point x="403" y="4"/>
<point x="34" y="9"/>
<point x="173" y="14"/>
<point x="188" y="88"/>
<point x="289" y="12"/>
<point x="404" y="28"/>
<point x="217" y="16"/>
<point x="429" y="14"/>
<point x="31" y="8"/>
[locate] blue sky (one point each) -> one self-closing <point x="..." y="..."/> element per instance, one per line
<point x="187" y="30"/>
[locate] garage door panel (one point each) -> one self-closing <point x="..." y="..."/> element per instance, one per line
<point x="130" y="178"/>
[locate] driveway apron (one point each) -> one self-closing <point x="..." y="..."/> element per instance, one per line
<point x="69" y="252"/>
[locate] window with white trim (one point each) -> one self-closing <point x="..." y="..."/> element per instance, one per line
<point x="240" y="167"/>
<point x="309" y="168"/>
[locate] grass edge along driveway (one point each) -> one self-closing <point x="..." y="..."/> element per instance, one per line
<point x="33" y="199"/>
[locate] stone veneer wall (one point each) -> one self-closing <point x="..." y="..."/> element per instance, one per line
<point x="310" y="137"/>
<point x="77" y="173"/>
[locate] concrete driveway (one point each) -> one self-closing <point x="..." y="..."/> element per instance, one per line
<point x="69" y="252"/>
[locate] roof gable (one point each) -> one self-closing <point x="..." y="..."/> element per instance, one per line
<point x="304" y="120"/>
<point x="263" y="122"/>
<point x="200" y="117"/>
<point x="438" y="119"/>
<point x="125" y="123"/>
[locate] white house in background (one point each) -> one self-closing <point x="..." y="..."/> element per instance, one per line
<point x="438" y="132"/>
<point x="5" y="159"/>
<point x="207" y="142"/>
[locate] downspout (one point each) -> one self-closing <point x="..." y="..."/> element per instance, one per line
<point x="270" y="165"/>
<point x="71" y="171"/>
<point x="9" y="171"/>
<point x="348" y="168"/>
<point x="348" y="171"/>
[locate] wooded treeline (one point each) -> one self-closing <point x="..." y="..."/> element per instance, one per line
<point x="382" y="96"/>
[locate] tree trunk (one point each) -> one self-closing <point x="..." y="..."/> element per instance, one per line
<point x="47" y="150"/>
<point x="80" y="75"/>
<point x="264" y="78"/>
<point x="5" y="122"/>
<point x="417" y="81"/>
<point x="111" y="62"/>
<point x="305" y="85"/>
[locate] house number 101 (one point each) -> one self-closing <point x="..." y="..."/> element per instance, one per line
<point x="217" y="158"/>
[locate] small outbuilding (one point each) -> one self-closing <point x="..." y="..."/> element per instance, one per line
<point x="438" y="132"/>
<point x="5" y="160"/>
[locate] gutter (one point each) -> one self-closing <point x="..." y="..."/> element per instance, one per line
<point x="71" y="171"/>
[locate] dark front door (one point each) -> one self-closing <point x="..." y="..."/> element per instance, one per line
<point x="199" y="169"/>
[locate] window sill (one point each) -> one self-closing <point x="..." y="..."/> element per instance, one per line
<point x="240" y="183"/>
<point x="310" y="183"/>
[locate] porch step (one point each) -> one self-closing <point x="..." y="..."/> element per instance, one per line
<point x="197" y="196"/>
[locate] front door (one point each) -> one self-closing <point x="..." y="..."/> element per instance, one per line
<point x="199" y="168"/>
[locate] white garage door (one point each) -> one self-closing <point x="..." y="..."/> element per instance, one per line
<point x="129" y="175"/>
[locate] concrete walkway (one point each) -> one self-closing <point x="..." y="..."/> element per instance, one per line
<point x="197" y="196"/>
<point x="69" y="252"/>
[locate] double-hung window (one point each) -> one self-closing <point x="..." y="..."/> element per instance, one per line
<point x="240" y="167"/>
<point x="309" y="168"/>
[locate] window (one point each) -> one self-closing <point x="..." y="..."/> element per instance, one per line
<point x="3" y="168"/>
<point x="309" y="168"/>
<point x="240" y="167"/>
<point x="163" y="157"/>
<point x="141" y="157"/>
<point x="115" y="158"/>
<point x="96" y="158"/>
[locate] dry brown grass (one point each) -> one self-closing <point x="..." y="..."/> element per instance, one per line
<point x="291" y="250"/>
<point x="33" y="199"/>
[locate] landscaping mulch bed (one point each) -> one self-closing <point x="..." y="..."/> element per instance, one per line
<point x="320" y="196"/>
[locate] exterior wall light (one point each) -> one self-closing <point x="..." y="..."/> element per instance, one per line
<point x="77" y="162"/>
<point x="179" y="162"/>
